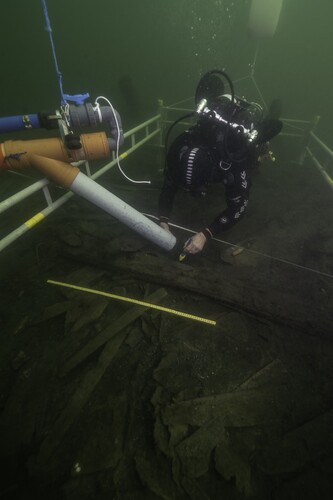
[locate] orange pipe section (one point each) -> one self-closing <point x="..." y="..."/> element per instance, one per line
<point x="60" y="173"/>
<point x="14" y="154"/>
<point x="51" y="158"/>
<point x="17" y="152"/>
<point x="95" y="146"/>
<point x="2" y="155"/>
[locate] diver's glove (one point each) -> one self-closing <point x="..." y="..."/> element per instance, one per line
<point x="195" y="244"/>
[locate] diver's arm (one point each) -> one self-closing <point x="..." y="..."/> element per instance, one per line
<point x="228" y="218"/>
<point x="237" y="196"/>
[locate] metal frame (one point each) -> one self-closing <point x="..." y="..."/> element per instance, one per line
<point x="42" y="185"/>
<point x="328" y="154"/>
<point x="304" y="130"/>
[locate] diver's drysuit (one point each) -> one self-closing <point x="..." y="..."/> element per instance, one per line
<point x="222" y="147"/>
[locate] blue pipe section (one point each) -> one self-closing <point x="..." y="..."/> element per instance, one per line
<point x="82" y="115"/>
<point x="19" y="122"/>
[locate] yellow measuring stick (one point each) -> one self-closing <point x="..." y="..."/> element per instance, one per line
<point x="134" y="301"/>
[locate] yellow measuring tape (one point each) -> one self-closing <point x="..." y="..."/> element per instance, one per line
<point x="134" y="301"/>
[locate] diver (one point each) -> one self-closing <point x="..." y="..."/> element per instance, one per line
<point x="230" y="137"/>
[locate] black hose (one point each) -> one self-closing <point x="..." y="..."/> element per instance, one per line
<point x="198" y="89"/>
<point x="170" y="129"/>
<point x="217" y="72"/>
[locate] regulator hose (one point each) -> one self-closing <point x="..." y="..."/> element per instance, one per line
<point x="214" y="72"/>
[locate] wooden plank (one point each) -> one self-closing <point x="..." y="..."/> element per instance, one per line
<point x="195" y="451"/>
<point x="273" y="294"/>
<point x="274" y="297"/>
<point x="86" y="386"/>
<point x="238" y="409"/>
<point x="298" y="448"/>
<point x="110" y="332"/>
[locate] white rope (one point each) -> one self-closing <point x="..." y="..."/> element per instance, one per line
<point x="283" y="261"/>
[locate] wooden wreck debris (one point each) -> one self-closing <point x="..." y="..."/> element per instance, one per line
<point x="20" y="360"/>
<point x="193" y="489"/>
<point x="109" y="332"/>
<point x="90" y="309"/>
<point x="103" y="447"/>
<point x="214" y="364"/>
<point x="154" y="472"/>
<point x="195" y="451"/>
<point x="54" y="310"/>
<point x="233" y="462"/>
<point x="187" y="378"/>
<point x="21" y="325"/>
<point x="299" y="447"/>
<point x="161" y="435"/>
<point x="272" y="296"/>
<point x="22" y="421"/>
<point x="238" y="408"/>
<point x="83" y="276"/>
<point x="177" y="434"/>
<point x="312" y="482"/>
<point x="88" y="383"/>
<point x="80" y="310"/>
<point x="271" y="372"/>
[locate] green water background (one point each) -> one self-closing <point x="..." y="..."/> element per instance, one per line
<point x="162" y="47"/>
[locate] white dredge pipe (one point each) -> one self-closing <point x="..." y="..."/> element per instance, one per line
<point x="102" y="198"/>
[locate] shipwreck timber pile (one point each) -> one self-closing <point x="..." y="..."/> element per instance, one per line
<point x="118" y="399"/>
<point x="102" y="399"/>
